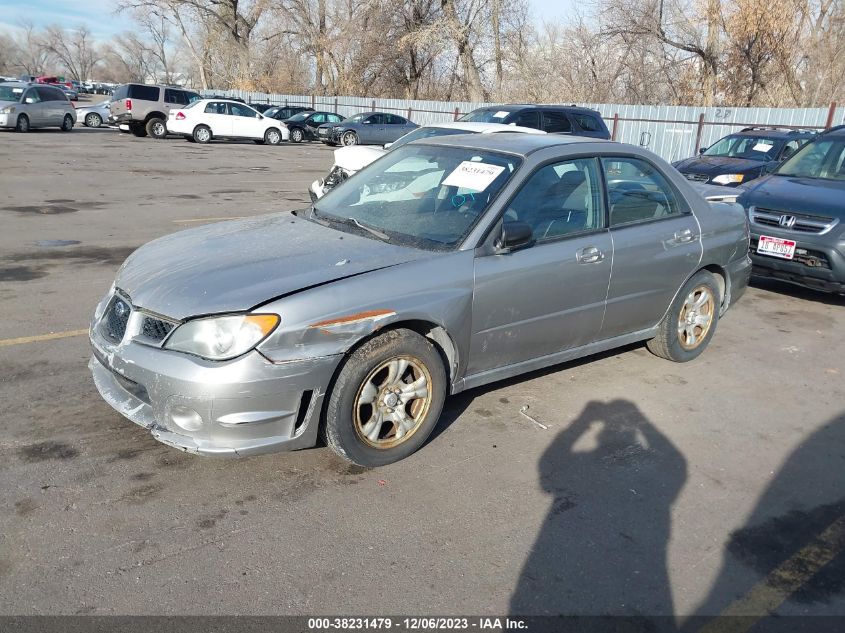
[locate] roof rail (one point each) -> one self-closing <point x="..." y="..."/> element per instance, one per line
<point x="835" y="128"/>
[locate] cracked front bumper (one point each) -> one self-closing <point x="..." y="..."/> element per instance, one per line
<point x="245" y="406"/>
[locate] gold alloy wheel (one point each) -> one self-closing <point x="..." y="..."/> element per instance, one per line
<point x="696" y="317"/>
<point x="392" y="402"/>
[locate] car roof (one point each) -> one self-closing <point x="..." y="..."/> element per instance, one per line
<point x="512" y="143"/>
<point x="484" y="128"/>
<point x="18" y="84"/>
<point x="514" y="107"/>
<point x="772" y="133"/>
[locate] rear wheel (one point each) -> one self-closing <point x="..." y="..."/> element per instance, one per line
<point x="138" y="129"/>
<point x="156" y="128"/>
<point x="688" y="326"/>
<point x="22" y="124"/>
<point x="296" y="135"/>
<point x="387" y="399"/>
<point x="202" y="134"/>
<point x="67" y="123"/>
<point x="92" y="119"/>
<point x="272" y="136"/>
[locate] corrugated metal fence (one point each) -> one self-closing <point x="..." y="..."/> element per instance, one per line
<point x="673" y="132"/>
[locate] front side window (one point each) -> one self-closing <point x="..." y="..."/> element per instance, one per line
<point x="423" y="196"/>
<point x="637" y="191"/>
<point x="318" y="118"/>
<point x="32" y="96"/>
<point x="819" y="159"/>
<point x="560" y="199"/>
<point x="375" y="119"/>
<point x="238" y="109"/>
<point x="556" y="123"/>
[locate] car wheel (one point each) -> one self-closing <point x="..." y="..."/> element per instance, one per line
<point x="202" y="134"/>
<point x="349" y="138"/>
<point x="272" y="136"/>
<point x="156" y="128"/>
<point x="296" y="135"/>
<point x="688" y="326"/>
<point x="386" y="400"/>
<point x="67" y="123"/>
<point x="22" y="124"/>
<point x="138" y="129"/>
<point x="92" y="119"/>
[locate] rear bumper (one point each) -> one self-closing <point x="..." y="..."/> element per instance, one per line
<point x="819" y="261"/>
<point x="739" y="273"/>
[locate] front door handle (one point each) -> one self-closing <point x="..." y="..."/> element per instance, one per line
<point x="589" y="255"/>
<point x="682" y="237"/>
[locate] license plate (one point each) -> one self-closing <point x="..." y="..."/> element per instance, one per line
<point x="323" y="132"/>
<point x="776" y="247"/>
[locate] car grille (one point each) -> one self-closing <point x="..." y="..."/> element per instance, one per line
<point x="156" y="330"/>
<point x="803" y="223"/>
<point x="697" y="177"/>
<point x="804" y="256"/>
<point x="336" y="176"/>
<point x="116" y="317"/>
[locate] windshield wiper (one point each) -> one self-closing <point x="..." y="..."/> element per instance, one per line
<point x="382" y="236"/>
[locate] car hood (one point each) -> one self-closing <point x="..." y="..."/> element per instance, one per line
<point x="813" y="196"/>
<point x="237" y="265"/>
<point x="356" y="157"/>
<point x="715" y="165"/>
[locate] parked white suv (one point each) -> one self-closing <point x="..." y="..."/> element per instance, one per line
<point x="24" y="106"/>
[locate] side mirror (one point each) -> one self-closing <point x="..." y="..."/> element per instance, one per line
<point x="701" y="150"/>
<point x="514" y="235"/>
<point x="387" y="145"/>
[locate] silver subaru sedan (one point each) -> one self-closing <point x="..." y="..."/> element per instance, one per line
<point x="447" y="264"/>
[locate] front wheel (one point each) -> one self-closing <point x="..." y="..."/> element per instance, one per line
<point x="22" y="124"/>
<point x="272" y="136"/>
<point x="688" y="326"/>
<point x="387" y="399"/>
<point x="67" y="123"/>
<point x="92" y="119"/>
<point x="202" y="134"/>
<point x="349" y="138"/>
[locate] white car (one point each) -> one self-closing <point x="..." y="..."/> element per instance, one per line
<point x="94" y="115"/>
<point x="208" y="119"/>
<point x="352" y="159"/>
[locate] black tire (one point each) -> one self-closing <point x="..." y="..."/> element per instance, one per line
<point x="202" y="134"/>
<point x="258" y="141"/>
<point x="330" y="143"/>
<point x="138" y="129"/>
<point x="343" y="428"/>
<point x="22" y="124"/>
<point x="297" y="135"/>
<point x="156" y="128"/>
<point x="190" y="139"/>
<point x="67" y="123"/>
<point x="680" y="346"/>
<point x="92" y="119"/>
<point x="272" y="136"/>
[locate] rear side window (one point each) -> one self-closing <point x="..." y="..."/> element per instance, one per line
<point x="215" y="107"/>
<point x="588" y="123"/>
<point x="556" y="122"/>
<point x="637" y="191"/>
<point x="528" y="119"/>
<point x="144" y="93"/>
<point x="393" y="119"/>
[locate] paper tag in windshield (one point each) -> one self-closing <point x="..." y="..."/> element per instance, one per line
<point x="501" y="114"/>
<point x="474" y="176"/>
<point x="762" y="147"/>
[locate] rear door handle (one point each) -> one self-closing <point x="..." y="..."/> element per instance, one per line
<point x="589" y="255"/>
<point x="682" y="237"/>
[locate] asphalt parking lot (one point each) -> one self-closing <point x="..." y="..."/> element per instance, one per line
<point x="654" y="488"/>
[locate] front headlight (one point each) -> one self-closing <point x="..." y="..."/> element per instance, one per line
<point x="222" y="338"/>
<point x="8" y="110"/>
<point x="728" y="179"/>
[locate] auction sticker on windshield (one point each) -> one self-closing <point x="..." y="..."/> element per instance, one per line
<point x="474" y="176"/>
<point x="776" y="247"/>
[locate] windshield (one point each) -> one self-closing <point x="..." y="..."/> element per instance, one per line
<point x="820" y="159"/>
<point x="300" y="116"/>
<point x="271" y="111"/>
<point x="426" y="132"/>
<point x="751" y="147"/>
<point x="486" y="115"/>
<point x="426" y="196"/>
<point x="10" y="93"/>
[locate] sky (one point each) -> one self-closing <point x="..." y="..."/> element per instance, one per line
<point x="100" y="18"/>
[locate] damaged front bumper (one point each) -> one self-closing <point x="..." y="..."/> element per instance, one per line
<point x="246" y="406"/>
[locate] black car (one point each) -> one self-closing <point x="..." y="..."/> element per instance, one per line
<point x="260" y="107"/>
<point x="797" y="216"/>
<point x="743" y="156"/>
<point x="303" y="126"/>
<point x="280" y="113"/>
<point x="554" y="119"/>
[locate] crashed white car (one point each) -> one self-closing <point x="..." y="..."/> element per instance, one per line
<point x="352" y="159"/>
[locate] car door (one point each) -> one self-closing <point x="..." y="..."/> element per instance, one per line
<point x="245" y="121"/>
<point x="313" y="122"/>
<point x="216" y="116"/>
<point x="51" y="110"/>
<point x="549" y="296"/>
<point x="371" y="130"/>
<point x="393" y="129"/>
<point x="656" y="244"/>
<point x="34" y="107"/>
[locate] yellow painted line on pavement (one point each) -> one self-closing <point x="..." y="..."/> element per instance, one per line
<point x="782" y="582"/>
<point x="52" y="336"/>
<point x="233" y="217"/>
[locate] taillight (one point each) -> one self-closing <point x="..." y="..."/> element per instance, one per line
<point x="129" y="104"/>
<point x="180" y="116"/>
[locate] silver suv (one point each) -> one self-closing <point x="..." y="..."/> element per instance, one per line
<point x="24" y="106"/>
<point x="145" y="108"/>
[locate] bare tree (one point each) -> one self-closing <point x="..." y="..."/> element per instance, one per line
<point x="74" y="49"/>
<point x="29" y="53"/>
